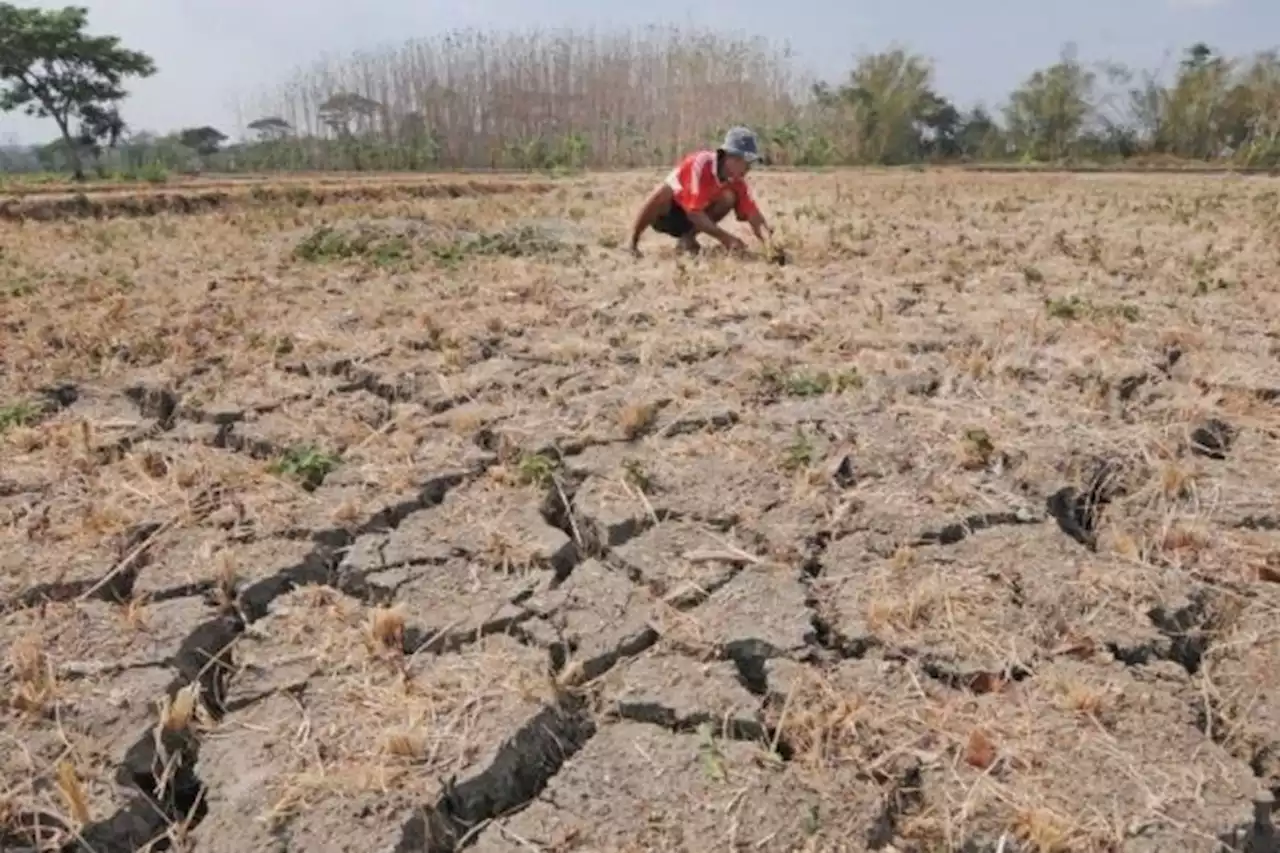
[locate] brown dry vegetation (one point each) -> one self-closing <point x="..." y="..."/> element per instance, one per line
<point x="430" y="523"/>
<point x="106" y="201"/>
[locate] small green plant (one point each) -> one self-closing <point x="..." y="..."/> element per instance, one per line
<point x="307" y="464"/>
<point x="18" y="288"/>
<point x="323" y="243"/>
<point x="1069" y="308"/>
<point x="535" y="469"/>
<point x="822" y="382"/>
<point x="154" y="174"/>
<point x="1125" y="311"/>
<point x="711" y="756"/>
<point x="1073" y="308"/>
<point x="634" y="474"/>
<point x="17" y="415"/>
<point x="800" y="453"/>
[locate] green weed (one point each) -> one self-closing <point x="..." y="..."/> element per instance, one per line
<point x="536" y="469"/>
<point x="812" y="384"/>
<point x="307" y="464"/>
<point x="328" y="244"/>
<point x="17" y="415"/>
<point x="800" y="453"/>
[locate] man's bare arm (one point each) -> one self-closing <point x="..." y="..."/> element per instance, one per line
<point x="760" y="228"/>
<point x="707" y="226"/>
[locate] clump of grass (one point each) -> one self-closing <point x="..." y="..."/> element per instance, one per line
<point x="386" y="628"/>
<point x="380" y="247"/>
<point x="1068" y="308"/>
<point x="30" y="676"/>
<point x="1128" y="313"/>
<point x="17" y="415"/>
<point x="1074" y="308"/>
<point x="18" y="288"/>
<point x="307" y="464"/>
<point x="410" y="745"/>
<point x="153" y="174"/>
<point x="800" y="453"/>
<point x="327" y="243"/>
<point x="801" y="384"/>
<point x="976" y="450"/>
<point x="535" y="469"/>
<point x="634" y="474"/>
<point x="520" y="242"/>
<point x="636" y="419"/>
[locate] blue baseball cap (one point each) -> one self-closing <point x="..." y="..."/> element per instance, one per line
<point x="742" y="142"/>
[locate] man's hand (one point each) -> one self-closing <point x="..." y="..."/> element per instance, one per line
<point x="634" y="250"/>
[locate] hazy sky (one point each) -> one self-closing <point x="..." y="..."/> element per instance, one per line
<point x="212" y="52"/>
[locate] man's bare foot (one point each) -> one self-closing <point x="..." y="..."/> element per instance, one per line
<point x="689" y="244"/>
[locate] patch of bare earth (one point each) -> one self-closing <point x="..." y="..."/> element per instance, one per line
<point x="418" y="523"/>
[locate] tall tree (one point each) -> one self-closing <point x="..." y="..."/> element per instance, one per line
<point x="99" y="127"/>
<point x="889" y="107"/>
<point x="1196" y="107"/>
<point x="1254" y="108"/>
<point x="203" y="140"/>
<point x="342" y="108"/>
<point x="271" y="127"/>
<point x="1051" y="109"/>
<point x="893" y="91"/>
<point x="979" y="136"/>
<point x="51" y="68"/>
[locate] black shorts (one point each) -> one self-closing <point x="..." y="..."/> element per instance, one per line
<point x="675" y="222"/>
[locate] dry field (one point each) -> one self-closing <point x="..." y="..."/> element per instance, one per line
<point x="430" y="523"/>
<point x="52" y="202"/>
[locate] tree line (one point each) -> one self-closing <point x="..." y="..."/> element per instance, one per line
<point x="628" y="98"/>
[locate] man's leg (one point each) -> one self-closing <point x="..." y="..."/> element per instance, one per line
<point x="661" y="213"/>
<point x="674" y="222"/>
<point x="657" y="213"/>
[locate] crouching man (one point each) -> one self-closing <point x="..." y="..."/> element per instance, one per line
<point x="700" y="192"/>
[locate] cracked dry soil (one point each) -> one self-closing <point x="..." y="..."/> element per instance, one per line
<point x="959" y="533"/>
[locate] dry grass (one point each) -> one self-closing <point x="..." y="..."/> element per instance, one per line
<point x="941" y="348"/>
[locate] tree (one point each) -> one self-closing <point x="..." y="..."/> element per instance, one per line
<point x="979" y="137"/>
<point x="1048" y="112"/>
<point x="938" y="125"/>
<point x="341" y="109"/>
<point x="1197" y="108"/>
<point x="889" y="105"/>
<point x="203" y="140"/>
<point x="271" y="127"/>
<point x="99" y="126"/>
<point x="51" y="68"/>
